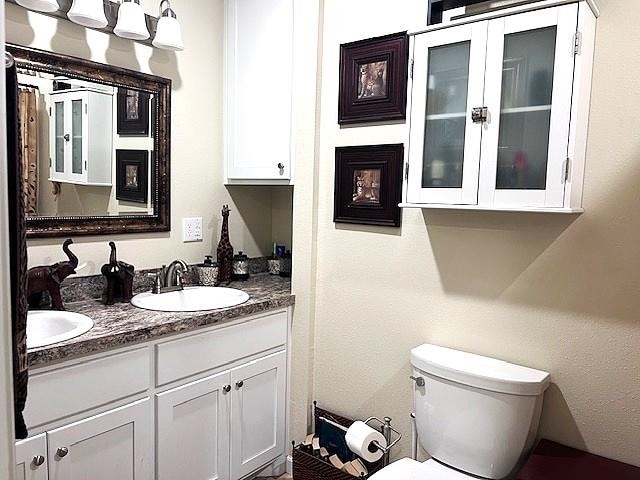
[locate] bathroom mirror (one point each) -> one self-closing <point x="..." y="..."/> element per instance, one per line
<point x="96" y="146"/>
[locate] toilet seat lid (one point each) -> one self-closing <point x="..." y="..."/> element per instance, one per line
<point x="408" y="469"/>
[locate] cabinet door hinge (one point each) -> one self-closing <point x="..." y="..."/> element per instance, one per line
<point x="411" y="69"/>
<point x="86" y="109"/>
<point x="406" y="171"/>
<point x="577" y="43"/>
<point x="566" y="167"/>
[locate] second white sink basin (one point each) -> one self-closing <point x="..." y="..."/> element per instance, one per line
<point x="191" y="299"/>
<point x="46" y="327"/>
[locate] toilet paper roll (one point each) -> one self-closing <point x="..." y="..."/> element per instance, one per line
<point x="360" y="438"/>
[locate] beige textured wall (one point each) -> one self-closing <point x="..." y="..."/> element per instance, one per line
<point x="552" y="292"/>
<point x="308" y="21"/>
<point x="197" y="167"/>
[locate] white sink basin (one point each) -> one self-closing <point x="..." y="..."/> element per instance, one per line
<point x="46" y="327"/>
<point x="191" y="299"/>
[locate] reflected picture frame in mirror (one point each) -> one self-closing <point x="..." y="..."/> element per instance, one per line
<point x="149" y="86"/>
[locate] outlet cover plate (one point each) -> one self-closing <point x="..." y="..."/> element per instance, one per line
<point x="192" y="229"/>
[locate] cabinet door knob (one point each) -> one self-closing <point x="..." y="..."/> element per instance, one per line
<point x="38" y="460"/>
<point x="281" y="166"/>
<point x="226" y="388"/>
<point x="67" y="137"/>
<point x="62" y="452"/>
<point x="239" y="384"/>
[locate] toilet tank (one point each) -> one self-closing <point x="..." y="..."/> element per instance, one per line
<point x="474" y="413"/>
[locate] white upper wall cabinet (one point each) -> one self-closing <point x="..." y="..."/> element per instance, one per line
<point x="258" y="81"/>
<point x="499" y="110"/>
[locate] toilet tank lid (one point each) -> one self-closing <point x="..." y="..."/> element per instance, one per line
<point x="478" y="371"/>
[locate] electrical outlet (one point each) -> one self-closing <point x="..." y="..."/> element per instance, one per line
<point x="192" y="229"/>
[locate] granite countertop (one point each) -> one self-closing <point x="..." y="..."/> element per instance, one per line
<point x="123" y="324"/>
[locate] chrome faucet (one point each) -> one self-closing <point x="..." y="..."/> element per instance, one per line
<point x="169" y="279"/>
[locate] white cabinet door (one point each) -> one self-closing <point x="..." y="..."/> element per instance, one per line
<point x="259" y="49"/>
<point x="258" y="413"/>
<point x="58" y="138"/>
<point x="448" y="82"/>
<point x="529" y="88"/>
<point x="193" y="430"/>
<point x="112" y="445"/>
<point x="31" y="458"/>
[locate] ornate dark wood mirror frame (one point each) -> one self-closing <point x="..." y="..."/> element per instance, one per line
<point x="45" y="227"/>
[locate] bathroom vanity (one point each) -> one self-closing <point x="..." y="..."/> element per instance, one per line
<point x="163" y="395"/>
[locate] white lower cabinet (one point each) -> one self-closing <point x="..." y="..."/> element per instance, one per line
<point x="257" y="413"/>
<point x="225" y="426"/>
<point x="193" y="430"/>
<point x="112" y="445"/>
<point x="31" y="458"/>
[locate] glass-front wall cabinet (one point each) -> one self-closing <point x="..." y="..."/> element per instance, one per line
<point x="497" y="111"/>
<point x="81" y="146"/>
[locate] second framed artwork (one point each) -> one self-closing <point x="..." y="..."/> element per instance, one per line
<point x="373" y="79"/>
<point x="368" y="185"/>
<point x="133" y="112"/>
<point x="132" y="178"/>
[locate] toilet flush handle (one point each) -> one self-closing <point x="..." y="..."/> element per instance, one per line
<point x="419" y="380"/>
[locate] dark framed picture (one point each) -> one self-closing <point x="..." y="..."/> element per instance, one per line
<point x="133" y="112"/>
<point x="132" y="177"/>
<point x="368" y="185"/>
<point x="373" y="79"/>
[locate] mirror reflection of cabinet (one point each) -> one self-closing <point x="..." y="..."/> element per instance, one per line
<point x="80" y="151"/>
<point x="499" y="111"/>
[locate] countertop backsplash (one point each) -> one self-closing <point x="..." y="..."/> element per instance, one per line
<point x="76" y="289"/>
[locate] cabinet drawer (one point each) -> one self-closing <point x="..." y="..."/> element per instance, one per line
<point x="188" y="356"/>
<point x="59" y="393"/>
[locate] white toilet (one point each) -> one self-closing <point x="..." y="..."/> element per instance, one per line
<point x="475" y="416"/>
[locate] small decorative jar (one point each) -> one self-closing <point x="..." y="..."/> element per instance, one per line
<point x="207" y="272"/>
<point x="240" y="267"/>
<point x="274" y="265"/>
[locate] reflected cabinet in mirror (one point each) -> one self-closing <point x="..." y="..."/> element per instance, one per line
<point x="96" y="146"/>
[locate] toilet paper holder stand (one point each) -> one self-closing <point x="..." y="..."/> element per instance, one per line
<point x="385" y="428"/>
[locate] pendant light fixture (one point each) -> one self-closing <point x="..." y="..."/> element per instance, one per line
<point x="88" y="13"/>
<point x="168" y="32"/>
<point x="131" y="21"/>
<point x="40" y="5"/>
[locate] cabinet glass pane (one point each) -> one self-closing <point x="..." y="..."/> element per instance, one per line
<point x="76" y="141"/>
<point x="59" y="153"/>
<point x="447" y="85"/>
<point x="525" y="115"/>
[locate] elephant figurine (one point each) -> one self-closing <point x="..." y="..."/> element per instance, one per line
<point x="119" y="277"/>
<point x="49" y="278"/>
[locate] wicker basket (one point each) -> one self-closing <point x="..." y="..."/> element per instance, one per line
<point x="306" y="466"/>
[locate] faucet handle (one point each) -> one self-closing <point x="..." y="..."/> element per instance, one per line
<point x="157" y="283"/>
